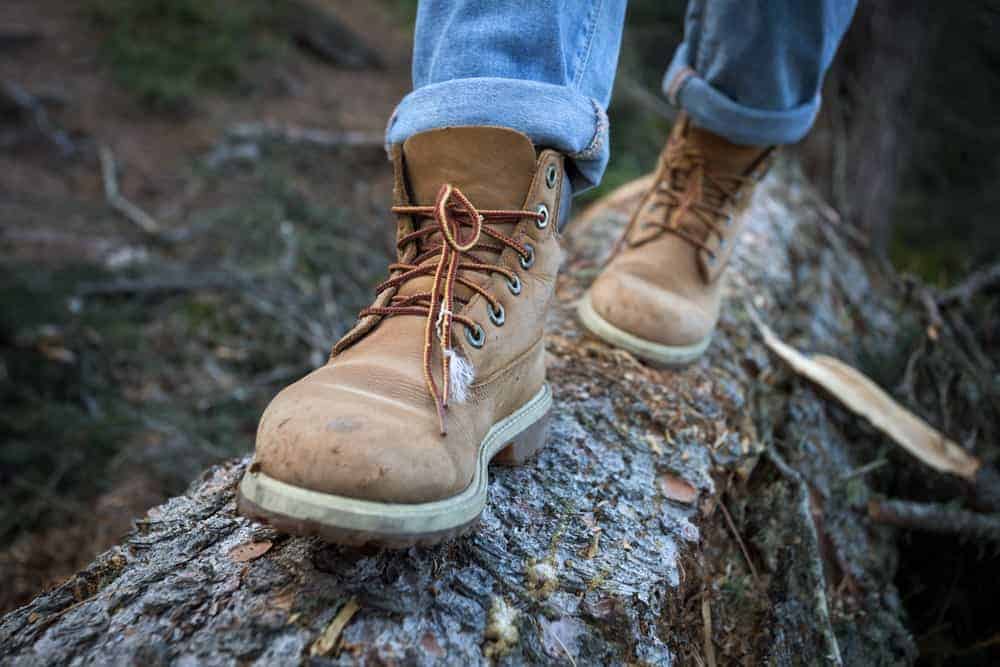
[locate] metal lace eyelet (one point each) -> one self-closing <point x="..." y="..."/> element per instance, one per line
<point x="711" y="259"/>
<point x="722" y="243"/>
<point x="543" y="221"/>
<point x="475" y="335"/>
<point x="729" y="220"/>
<point x="528" y="260"/>
<point x="498" y="316"/>
<point x="551" y="174"/>
<point x="514" y="284"/>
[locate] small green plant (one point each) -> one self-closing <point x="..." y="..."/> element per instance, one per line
<point x="168" y="52"/>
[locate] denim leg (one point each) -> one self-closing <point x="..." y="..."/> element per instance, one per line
<point x="544" y="67"/>
<point x="751" y="70"/>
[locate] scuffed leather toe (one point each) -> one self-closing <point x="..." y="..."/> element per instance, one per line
<point x="649" y="311"/>
<point x="316" y="435"/>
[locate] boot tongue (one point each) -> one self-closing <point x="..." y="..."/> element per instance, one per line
<point x="721" y="155"/>
<point x="492" y="166"/>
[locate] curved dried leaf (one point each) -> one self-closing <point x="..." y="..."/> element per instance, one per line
<point x="859" y="394"/>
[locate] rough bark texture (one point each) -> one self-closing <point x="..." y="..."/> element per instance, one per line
<point x="673" y="517"/>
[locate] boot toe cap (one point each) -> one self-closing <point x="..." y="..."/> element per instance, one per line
<point x="324" y="436"/>
<point x="650" y="311"/>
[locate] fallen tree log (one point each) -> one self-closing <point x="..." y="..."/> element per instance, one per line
<point x="675" y="517"/>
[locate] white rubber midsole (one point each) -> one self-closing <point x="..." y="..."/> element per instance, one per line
<point x="342" y="512"/>
<point x="669" y="355"/>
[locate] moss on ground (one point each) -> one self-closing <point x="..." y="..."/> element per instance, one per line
<point x="170" y="52"/>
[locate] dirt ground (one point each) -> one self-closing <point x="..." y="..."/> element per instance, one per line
<point x="65" y="68"/>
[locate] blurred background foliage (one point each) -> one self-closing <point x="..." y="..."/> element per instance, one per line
<point x="168" y="52"/>
<point x="154" y="358"/>
<point x="944" y="220"/>
<point x="946" y="190"/>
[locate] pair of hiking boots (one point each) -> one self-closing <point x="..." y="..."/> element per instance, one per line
<point x="389" y="442"/>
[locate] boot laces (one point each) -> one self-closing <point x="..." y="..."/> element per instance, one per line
<point x="691" y="192"/>
<point x="457" y="237"/>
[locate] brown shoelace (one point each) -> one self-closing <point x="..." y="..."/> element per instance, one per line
<point x="688" y="186"/>
<point x="452" y="212"/>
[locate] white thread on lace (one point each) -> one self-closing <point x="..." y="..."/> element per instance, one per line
<point x="460" y="377"/>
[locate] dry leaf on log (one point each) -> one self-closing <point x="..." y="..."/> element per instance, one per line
<point x="245" y="553"/>
<point x="863" y="397"/>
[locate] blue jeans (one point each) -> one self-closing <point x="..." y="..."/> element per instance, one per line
<point x="749" y="70"/>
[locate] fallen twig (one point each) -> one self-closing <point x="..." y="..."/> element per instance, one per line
<point x="933" y="314"/>
<point x="935" y="518"/>
<point x="158" y="285"/>
<point x="967" y="338"/>
<point x="562" y="645"/>
<point x="328" y="640"/>
<point x="908" y="383"/>
<point x="739" y="541"/>
<point x="972" y="285"/>
<point x="109" y="173"/>
<point x="828" y="215"/>
<point x="32" y="108"/>
<point x="292" y="134"/>
<point x="979" y="646"/>
<point x="864" y="470"/>
<point x="706" y="619"/>
<point x="963" y="344"/>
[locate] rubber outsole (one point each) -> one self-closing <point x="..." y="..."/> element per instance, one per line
<point x="670" y="356"/>
<point x="355" y="522"/>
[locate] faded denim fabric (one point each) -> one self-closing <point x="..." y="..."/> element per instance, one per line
<point x="750" y="70"/>
<point x="544" y="67"/>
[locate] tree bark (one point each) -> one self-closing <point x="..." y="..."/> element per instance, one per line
<point x="652" y="529"/>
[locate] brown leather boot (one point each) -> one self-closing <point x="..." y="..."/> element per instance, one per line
<point x="658" y="296"/>
<point x="389" y="442"/>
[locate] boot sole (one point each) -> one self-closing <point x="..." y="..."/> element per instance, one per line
<point x="670" y="356"/>
<point x="356" y="522"/>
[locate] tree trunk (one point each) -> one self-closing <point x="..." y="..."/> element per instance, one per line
<point x="860" y="145"/>
<point x="675" y="517"/>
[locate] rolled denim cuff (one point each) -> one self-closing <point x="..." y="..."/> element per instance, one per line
<point x="712" y="110"/>
<point x="553" y="116"/>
